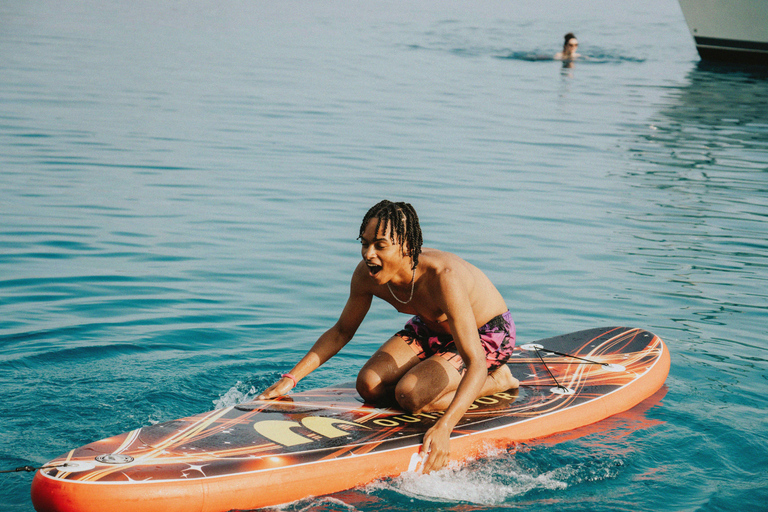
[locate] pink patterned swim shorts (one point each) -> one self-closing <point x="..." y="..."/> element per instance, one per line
<point x="497" y="338"/>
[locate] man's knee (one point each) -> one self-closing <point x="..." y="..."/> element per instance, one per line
<point x="369" y="385"/>
<point x="408" y="396"/>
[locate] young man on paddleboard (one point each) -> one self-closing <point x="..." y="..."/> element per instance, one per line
<point x="453" y="349"/>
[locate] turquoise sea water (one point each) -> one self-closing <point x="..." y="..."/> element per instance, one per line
<point x="182" y="184"/>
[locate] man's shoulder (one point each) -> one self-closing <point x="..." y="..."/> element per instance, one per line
<point x="437" y="258"/>
<point x="445" y="266"/>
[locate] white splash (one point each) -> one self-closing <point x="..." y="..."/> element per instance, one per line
<point x="484" y="484"/>
<point x="235" y="396"/>
<point x="314" y="504"/>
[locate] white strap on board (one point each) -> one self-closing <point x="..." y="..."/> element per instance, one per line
<point x="417" y="460"/>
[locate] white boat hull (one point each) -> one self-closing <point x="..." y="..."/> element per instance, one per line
<point x="729" y="30"/>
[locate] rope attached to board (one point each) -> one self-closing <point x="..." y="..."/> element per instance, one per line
<point x="30" y="469"/>
<point x="539" y="349"/>
<point x="560" y="386"/>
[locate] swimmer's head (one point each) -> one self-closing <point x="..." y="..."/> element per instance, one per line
<point x="571" y="43"/>
<point x="401" y="221"/>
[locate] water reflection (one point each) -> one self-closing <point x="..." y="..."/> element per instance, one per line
<point x="717" y="122"/>
<point x="720" y="107"/>
<point x="698" y="171"/>
<point x="710" y="138"/>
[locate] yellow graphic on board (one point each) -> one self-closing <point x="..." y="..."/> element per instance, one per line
<point x="281" y="431"/>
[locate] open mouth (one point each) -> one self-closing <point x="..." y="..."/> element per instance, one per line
<point x="374" y="269"/>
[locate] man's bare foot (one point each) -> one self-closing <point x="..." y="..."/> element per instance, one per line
<point x="504" y="379"/>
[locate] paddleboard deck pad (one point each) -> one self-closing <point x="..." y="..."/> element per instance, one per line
<point x="317" y="442"/>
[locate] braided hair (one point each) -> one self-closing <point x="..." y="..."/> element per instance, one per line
<point x="403" y="223"/>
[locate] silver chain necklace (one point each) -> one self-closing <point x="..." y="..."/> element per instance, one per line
<point x="413" y="286"/>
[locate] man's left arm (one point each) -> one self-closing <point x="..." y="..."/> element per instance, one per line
<point x="455" y="302"/>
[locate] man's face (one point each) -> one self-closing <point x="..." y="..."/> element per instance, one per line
<point x="384" y="258"/>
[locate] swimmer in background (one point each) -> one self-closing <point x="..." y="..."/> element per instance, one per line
<point x="570" y="46"/>
<point x="452" y="351"/>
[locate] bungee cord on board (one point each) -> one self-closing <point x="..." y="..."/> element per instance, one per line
<point x="559" y="386"/>
<point x="560" y="389"/>
<point x="30" y="469"/>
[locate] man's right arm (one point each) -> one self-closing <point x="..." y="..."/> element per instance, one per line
<point x="332" y="340"/>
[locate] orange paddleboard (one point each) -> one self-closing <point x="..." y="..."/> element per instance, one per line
<point x="316" y="442"/>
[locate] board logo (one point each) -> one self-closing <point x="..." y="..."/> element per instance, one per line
<point x="487" y="401"/>
<point x="281" y="431"/>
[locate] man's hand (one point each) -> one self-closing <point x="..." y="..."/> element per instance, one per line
<point x="436" y="447"/>
<point x="279" y="388"/>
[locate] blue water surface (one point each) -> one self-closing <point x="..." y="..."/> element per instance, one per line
<point x="182" y="184"/>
